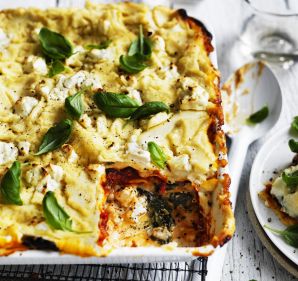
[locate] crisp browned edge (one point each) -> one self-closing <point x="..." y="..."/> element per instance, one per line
<point x="218" y="120"/>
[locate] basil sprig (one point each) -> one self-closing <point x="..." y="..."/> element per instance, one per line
<point x="139" y="52"/>
<point x="290" y="234"/>
<point x="55" y="137"/>
<point x="291" y="180"/>
<point x="149" y="108"/>
<point x="259" y="116"/>
<point x="100" y="46"/>
<point x="55" y="67"/>
<point x="74" y="105"/>
<point x="293" y="145"/>
<point x="54" y="214"/>
<point x="54" y="45"/>
<point x="115" y="105"/>
<point x="294" y="125"/>
<point x="56" y="49"/>
<point x="158" y="157"/>
<point x="11" y="185"/>
<point x="141" y="46"/>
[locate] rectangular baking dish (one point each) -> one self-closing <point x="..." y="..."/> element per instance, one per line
<point x="126" y="255"/>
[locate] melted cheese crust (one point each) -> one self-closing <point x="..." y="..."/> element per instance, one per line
<point x="179" y="74"/>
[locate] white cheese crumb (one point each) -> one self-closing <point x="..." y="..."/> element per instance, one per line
<point x="56" y="172"/>
<point x="24" y="147"/>
<point x="71" y="153"/>
<point x="198" y="98"/>
<point x="159" y="43"/>
<point x="78" y="80"/>
<point x="52" y="185"/>
<point x="35" y="64"/>
<point x="85" y="121"/>
<point x="4" y="40"/>
<point x="35" y="34"/>
<point x="96" y="171"/>
<point x="75" y="80"/>
<point x="180" y="164"/>
<point x="135" y="94"/>
<point x="126" y="196"/>
<point x="103" y="54"/>
<point x="75" y="59"/>
<point x="136" y="154"/>
<point x="25" y="105"/>
<point x="157" y="119"/>
<point x="8" y="152"/>
<point x="139" y="208"/>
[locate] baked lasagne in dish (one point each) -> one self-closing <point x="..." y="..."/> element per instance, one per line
<point x="110" y="131"/>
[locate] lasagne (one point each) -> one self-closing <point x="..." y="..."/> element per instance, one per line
<point x="110" y="131"/>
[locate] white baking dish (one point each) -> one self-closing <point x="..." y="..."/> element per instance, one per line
<point x="121" y="255"/>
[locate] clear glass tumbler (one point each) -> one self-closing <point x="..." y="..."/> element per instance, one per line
<point x="269" y="29"/>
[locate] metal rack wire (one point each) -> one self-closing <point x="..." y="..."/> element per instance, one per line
<point x="194" y="270"/>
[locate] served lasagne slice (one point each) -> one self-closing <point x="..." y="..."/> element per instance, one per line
<point x="110" y="131"/>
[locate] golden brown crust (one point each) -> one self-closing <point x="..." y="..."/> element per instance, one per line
<point x="199" y="27"/>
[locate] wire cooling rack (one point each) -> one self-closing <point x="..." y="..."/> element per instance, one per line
<point x="194" y="270"/>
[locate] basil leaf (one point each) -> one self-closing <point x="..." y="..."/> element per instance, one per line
<point x="54" y="45"/>
<point x="293" y="145"/>
<point x="141" y="46"/>
<point x="291" y="180"/>
<point x="259" y="116"/>
<point x="100" y="46"/>
<point x="54" y="214"/>
<point x="55" y="137"/>
<point x="149" y="108"/>
<point x="158" y="157"/>
<point x="11" y="185"/>
<point x="74" y="105"/>
<point x="115" y="105"/>
<point x="139" y="51"/>
<point x="56" y="67"/>
<point x="290" y="234"/>
<point x="132" y="64"/>
<point x="294" y="125"/>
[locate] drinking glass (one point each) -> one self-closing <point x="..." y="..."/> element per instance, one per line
<point x="269" y="29"/>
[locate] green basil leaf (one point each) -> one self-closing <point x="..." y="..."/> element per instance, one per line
<point x="149" y="108"/>
<point x="132" y="64"/>
<point x="11" y="185"/>
<point x="74" y="105"/>
<point x="290" y="234"/>
<point x="259" y="116"/>
<point x="100" y="46"/>
<point x="291" y="180"/>
<point x="294" y="125"/>
<point x="141" y="46"/>
<point x="293" y="145"/>
<point x="56" y="67"/>
<point x="115" y="105"/>
<point x="55" y="137"/>
<point x="54" y="45"/>
<point x="158" y="157"/>
<point x="54" y="214"/>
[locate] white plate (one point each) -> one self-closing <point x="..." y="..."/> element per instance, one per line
<point x="274" y="155"/>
